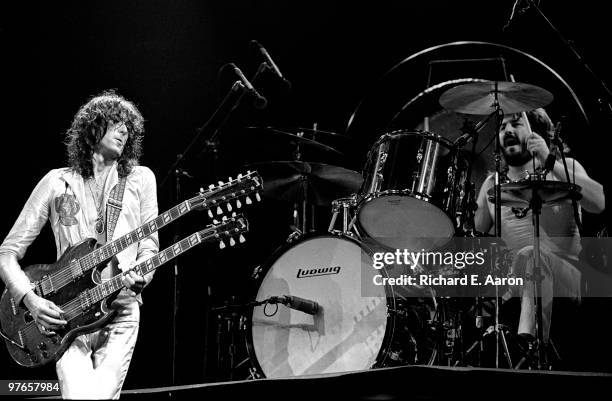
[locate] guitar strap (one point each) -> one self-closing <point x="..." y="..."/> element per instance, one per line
<point x="113" y="207"/>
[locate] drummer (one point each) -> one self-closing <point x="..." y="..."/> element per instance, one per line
<point x="523" y="149"/>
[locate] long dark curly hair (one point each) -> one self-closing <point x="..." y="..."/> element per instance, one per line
<point x="89" y="127"/>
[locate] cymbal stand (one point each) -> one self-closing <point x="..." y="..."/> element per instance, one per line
<point x="497" y="328"/>
<point x="500" y="338"/>
<point x="536" y="209"/>
<point x="468" y="207"/>
<point x="300" y="224"/>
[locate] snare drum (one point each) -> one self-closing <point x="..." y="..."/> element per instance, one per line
<point x="355" y="327"/>
<point x="410" y="190"/>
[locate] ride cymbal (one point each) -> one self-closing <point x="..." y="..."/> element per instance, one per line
<point x="479" y="97"/>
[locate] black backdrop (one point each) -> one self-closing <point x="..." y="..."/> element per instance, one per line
<point x="166" y="57"/>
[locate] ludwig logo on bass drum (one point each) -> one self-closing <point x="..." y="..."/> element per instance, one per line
<point x="320" y="271"/>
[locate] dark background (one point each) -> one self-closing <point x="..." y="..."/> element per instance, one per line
<point x="166" y="56"/>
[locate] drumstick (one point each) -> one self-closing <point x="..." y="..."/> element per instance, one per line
<point x="526" y="122"/>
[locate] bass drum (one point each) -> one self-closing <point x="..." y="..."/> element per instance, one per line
<point x="357" y="324"/>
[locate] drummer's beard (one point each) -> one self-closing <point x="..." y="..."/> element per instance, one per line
<point x="517" y="158"/>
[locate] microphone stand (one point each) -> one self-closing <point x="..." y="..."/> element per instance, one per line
<point x="211" y="128"/>
<point x="607" y="102"/>
<point x="499" y="116"/>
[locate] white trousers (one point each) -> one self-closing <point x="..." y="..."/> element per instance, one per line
<point x="95" y="364"/>
<point x="560" y="279"/>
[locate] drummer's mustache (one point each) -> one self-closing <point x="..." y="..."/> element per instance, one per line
<point x="510" y="136"/>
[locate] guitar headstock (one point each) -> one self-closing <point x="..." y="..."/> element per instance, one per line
<point x="229" y="228"/>
<point x="218" y="199"/>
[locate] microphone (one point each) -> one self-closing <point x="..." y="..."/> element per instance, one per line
<point x="300" y="304"/>
<point x="260" y="101"/>
<point x="463" y="139"/>
<point x="271" y="64"/>
<point x="469" y="131"/>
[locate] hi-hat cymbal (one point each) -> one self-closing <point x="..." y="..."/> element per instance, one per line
<point x="297" y="138"/>
<point x="520" y="193"/>
<point x="288" y="180"/>
<point x="479" y="97"/>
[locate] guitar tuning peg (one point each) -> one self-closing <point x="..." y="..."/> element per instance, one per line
<point x="248" y="171"/>
<point x="241" y="239"/>
<point x="219" y="211"/>
<point x="232" y="241"/>
<point x="238" y="203"/>
<point x="210" y="213"/>
<point x="233" y="214"/>
<point x="215" y="221"/>
<point x="224" y="218"/>
<point x="229" y="207"/>
<point x="257" y="197"/>
<point x="221" y="244"/>
<point x="211" y="186"/>
<point x="230" y="179"/>
<point x="201" y="190"/>
<point x="248" y="200"/>
<point x="220" y="183"/>
<point x="240" y="176"/>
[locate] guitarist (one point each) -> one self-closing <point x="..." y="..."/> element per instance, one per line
<point x="104" y="144"/>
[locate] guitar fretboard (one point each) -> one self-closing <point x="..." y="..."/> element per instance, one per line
<point x="98" y="293"/>
<point x="105" y="252"/>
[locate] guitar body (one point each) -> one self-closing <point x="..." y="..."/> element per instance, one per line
<point x="18" y="324"/>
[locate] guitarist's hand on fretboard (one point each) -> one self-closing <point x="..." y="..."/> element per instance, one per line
<point x="133" y="282"/>
<point x="45" y="313"/>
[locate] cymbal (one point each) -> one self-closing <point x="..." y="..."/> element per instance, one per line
<point x="297" y="138"/>
<point x="323" y="183"/>
<point x="520" y="193"/>
<point x="300" y="129"/>
<point x="318" y="131"/>
<point x="479" y="97"/>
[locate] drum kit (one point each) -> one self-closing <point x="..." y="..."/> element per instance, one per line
<point x="414" y="193"/>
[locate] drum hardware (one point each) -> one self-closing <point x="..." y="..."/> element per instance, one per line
<point x="307" y="184"/>
<point x="344" y="207"/>
<point x="466" y="212"/>
<point x="231" y="323"/>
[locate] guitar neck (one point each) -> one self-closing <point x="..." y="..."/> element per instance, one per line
<point x="214" y="197"/>
<point x="102" y="291"/>
<point x="107" y="251"/>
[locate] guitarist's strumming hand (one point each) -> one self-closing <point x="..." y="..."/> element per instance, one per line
<point x="133" y="282"/>
<point x="46" y="314"/>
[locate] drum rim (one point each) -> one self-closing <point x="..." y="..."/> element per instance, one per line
<point x="428" y="134"/>
<point x="383" y="353"/>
